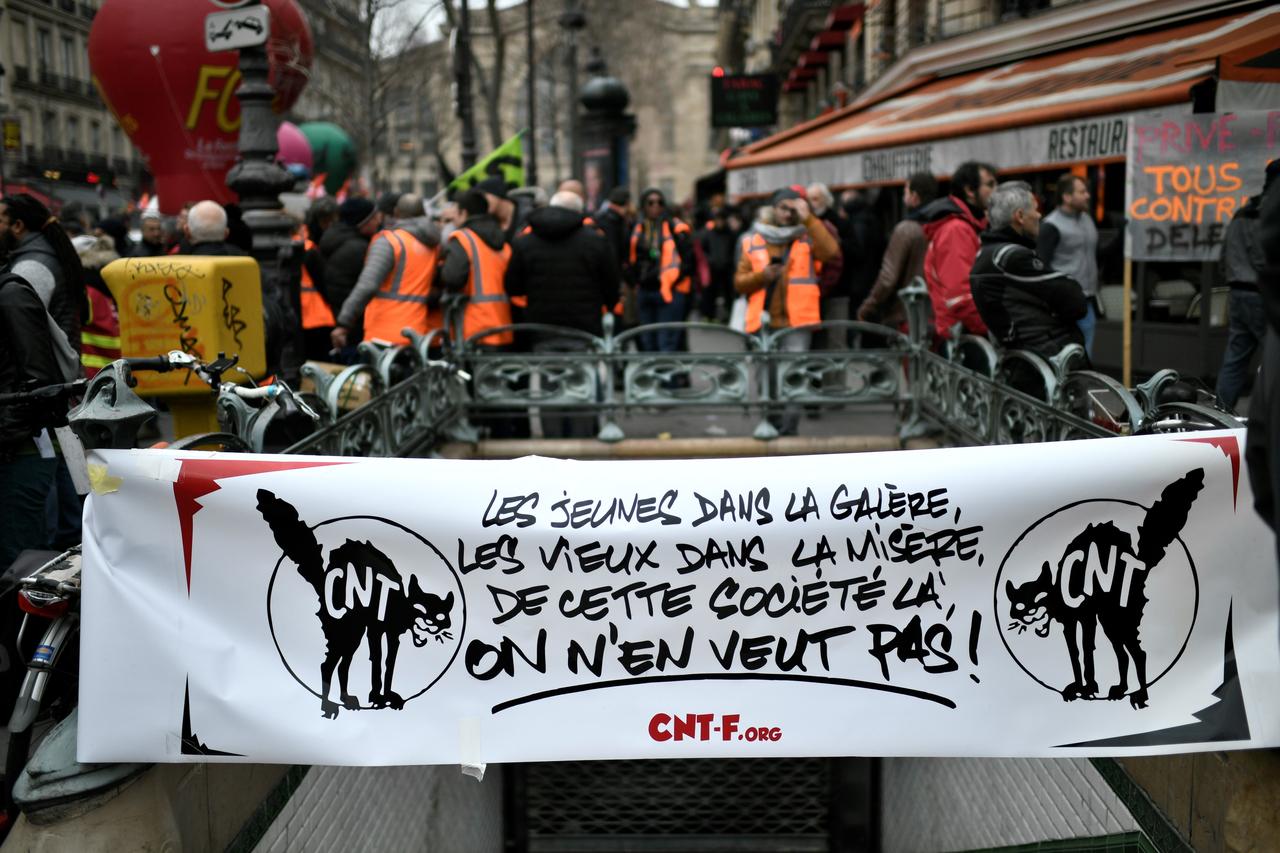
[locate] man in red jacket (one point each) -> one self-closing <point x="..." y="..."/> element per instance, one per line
<point x="952" y="225"/>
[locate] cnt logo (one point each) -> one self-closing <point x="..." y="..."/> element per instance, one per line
<point x="1083" y="577"/>
<point x="377" y="583"/>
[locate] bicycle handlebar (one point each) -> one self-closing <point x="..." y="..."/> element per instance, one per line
<point x="160" y="364"/>
<point x="52" y="393"/>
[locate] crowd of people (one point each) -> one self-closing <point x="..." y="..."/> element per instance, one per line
<point x="993" y="266"/>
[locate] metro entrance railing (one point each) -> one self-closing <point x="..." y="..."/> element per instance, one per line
<point x="437" y="388"/>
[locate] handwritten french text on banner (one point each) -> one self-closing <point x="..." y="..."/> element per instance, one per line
<point x="1093" y="597"/>
<point x="1187" y="175"/>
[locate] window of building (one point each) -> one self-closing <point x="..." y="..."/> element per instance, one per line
<point x="28" y="121"/>
<point x="117" y="143"/>
<point x="73" y="142"/>
<point x="69" y="58"/>
<point x="95" y="138"/>
<point x="44" y="50"/>
<point x="21" y="51"/>
<point x="49" y="128"/>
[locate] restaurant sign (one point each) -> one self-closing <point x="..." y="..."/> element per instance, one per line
<point x="1061" y="143"/>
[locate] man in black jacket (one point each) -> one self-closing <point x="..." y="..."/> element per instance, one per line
<point x="1262" y="450"/>
<point x="570" y="277"/>
<point x="28" y="359"/>
<point x="152" y="243"/>
<point x="566" y="270"/>
<point x="343" y="248"/>
<point x="1242" y="260"/>
<point x="1025" y="304"/>
<point x="613" y="221"/>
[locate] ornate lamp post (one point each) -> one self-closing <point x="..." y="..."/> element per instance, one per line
<point x="258" y="179"/>
<point x="572" y="20"/>
<point x="607" y="128"/>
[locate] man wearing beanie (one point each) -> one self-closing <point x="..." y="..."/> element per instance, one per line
<point x="343" y="248"/>
<point x="613" y="222"/>
<point x="778" y="273"/>
<point x="510" y="213"/>
<point x="476" y="256"/>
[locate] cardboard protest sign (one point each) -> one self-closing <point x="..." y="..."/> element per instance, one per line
<point x="1187" y="174"/>
<point x="1081" y="598"/>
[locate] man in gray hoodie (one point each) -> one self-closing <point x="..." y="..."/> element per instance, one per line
<point x="381" y="260"/>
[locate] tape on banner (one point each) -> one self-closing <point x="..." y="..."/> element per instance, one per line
<point x="158" y="466"/>
<point x="469" y="747"/>
<point x="101" y="482"/>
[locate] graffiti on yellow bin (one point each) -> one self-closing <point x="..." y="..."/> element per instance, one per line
<point x="200" y="305"/>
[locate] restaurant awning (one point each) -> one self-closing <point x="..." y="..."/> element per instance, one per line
<point x="1061" y="108"/>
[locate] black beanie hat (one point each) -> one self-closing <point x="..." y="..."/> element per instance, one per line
<point x="493" y="185"/>
<point x="473" y="202"/>
<point x="355" y="211"/>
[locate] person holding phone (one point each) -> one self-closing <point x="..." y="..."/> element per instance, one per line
<point x="778" y="271"/>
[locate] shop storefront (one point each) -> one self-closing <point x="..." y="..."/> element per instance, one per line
<point x="1037" y="117"/>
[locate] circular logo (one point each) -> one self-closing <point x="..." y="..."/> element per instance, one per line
<point x="1083" y="615"/>
<point x="374" y="623"/>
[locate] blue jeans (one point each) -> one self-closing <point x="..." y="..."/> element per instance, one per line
<point x="25" y="484"/>
<point x="652" y="309"/>
<point x="1087" y="324"/>
<point x="1248" y="327"/>
<point x="63" y="509"/>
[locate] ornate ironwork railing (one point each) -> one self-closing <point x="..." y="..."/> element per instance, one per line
<point x="432" y="390"/>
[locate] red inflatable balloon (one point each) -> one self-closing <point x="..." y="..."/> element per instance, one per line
<point x="175" y="99"/>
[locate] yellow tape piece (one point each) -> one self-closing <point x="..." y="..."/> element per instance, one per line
<point x="101" y="482"/>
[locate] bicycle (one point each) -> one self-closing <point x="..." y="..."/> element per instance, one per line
<point x="109" y="415"/>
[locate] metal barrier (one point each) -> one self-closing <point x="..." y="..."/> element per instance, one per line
<point x="429" y="391"/>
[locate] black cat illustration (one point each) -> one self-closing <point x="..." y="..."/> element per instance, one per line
<point x="381" y="608"/>
<point x="1101" y="581"/>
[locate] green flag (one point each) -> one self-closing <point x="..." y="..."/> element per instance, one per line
<point x="506" y="160"/>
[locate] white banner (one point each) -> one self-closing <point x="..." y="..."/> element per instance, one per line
<point x="1099" y="597"/>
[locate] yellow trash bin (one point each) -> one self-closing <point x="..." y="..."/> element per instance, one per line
<point x="198" y="304"/>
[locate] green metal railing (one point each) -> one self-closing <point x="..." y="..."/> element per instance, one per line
<point x="437" y="388"/>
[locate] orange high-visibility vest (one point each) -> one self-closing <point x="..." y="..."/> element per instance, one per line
<point x="99" y="333"/>
<point x="669" y="280"/>
<point x="401" y="300"/>
<point x="487" y="303"/>
<point x="316" y="313"/>
<point x="803" y="295"/>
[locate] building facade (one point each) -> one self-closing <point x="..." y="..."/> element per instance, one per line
<point x="340" y="60"/>
<point x="827" y="54"/>
<point x="70" y="145"/>
<point x="421" y="147"/>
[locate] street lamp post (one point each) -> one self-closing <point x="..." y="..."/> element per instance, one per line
<point x="462" y="72"/>
<point x="531" y="166"/>
<point x="258" y="180"/>
<point x="573" y="20"/>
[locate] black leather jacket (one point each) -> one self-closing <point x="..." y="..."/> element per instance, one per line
<point x="27" y="360"/>
<point x="1024" y="303"/>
